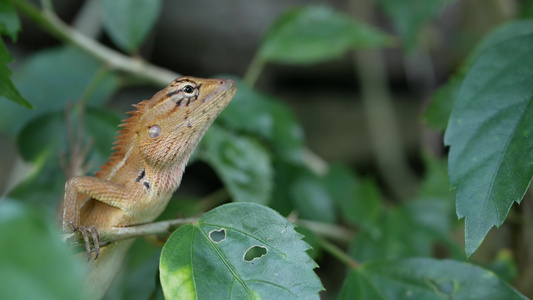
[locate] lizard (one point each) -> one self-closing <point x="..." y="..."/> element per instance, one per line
<point x="146" y="167"/>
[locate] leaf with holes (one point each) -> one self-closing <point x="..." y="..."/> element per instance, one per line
<point x="128" y="22"/>
<point x="238" y="251"/>
<point x="491" y="154"/>
<point x="424" y="278"/>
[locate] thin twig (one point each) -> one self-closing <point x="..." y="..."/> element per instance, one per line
<point x="116" y="234"/>
<point x="338" y="253"/>
<point x="330" y="231"/>
<point x="111" y="58"/>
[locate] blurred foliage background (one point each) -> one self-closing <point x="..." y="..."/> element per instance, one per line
<point x="331" y="122"/>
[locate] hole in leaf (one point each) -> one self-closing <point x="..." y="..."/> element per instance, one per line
<point x="255" y="252"/>
<point x="218" y="236"/>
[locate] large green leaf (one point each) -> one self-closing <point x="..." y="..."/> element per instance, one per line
<point x="128" y="22"/>
<point x="50" y="79"/>
<point x="424" y="278"/>
<point x="409" y="16"/>
<point x="35" y="263"/>
<point x="211" y="259"/>
<point x="9" y="21"/>
<point x="490" y="137"/>
<point x="440" y="108"/>
<point x="242" y="163"/>
<point x="311" y="34"/>
<point x="7" y="89"/>
<point x="252" y="112"/>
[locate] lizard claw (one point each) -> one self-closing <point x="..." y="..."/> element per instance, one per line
<point x="95" y="236"/>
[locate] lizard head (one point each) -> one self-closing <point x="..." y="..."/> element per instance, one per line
<point x="171" y="124"/>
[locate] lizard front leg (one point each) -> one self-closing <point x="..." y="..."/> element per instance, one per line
<point x="99" y="189"/>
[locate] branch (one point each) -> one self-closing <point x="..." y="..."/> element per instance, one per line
<point x="114" y="60"/>
<point x="339" y="254"/>
<point x="330" y="231"/>
<point x="116" y="234"/>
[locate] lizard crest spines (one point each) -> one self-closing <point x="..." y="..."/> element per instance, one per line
<point x="124" y="138"/>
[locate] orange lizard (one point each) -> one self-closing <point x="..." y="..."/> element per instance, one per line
<point x="138" y="180"/>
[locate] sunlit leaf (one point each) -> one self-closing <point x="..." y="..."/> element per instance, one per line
<point x="208" y="260"/>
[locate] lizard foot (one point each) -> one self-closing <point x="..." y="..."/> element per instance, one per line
<point x="94" y="235"/>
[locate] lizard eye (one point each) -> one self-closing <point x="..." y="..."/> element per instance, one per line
<point x="154" y="131"/>
<point x="188" y="90"/>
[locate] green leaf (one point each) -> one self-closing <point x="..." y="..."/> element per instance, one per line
<point x="409" y="16"/>
<point x="500" y="35"/>
<point x="196" y="263"/>
<point x="312" y="34"/>
<point x="43" y="140"/>
<point x="44" y="187"/>
<point x="50" y="79"/>
<point x="138" y="280"/>
<point x="398" y="235"/>
<point x="7" y="89"/>
<point x="504" y="265"/>
<point x="255" y="113"/>
<point x="359" y="201"/>
<point x="241" y="163"/>
<point x="311" y="198"/>
<point x="435" y="183"/>
<point x="489" y="134"/>
<point x="9" y="21"/>
<point x="128" y="22"/>
<point x="102" y="128"/>
<point x="46" y="135"/>
<point x="424" y="278"/>
<point x="440" y="108"/>
<point x="35" y="262"/>
<point x="414" y="228"/>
